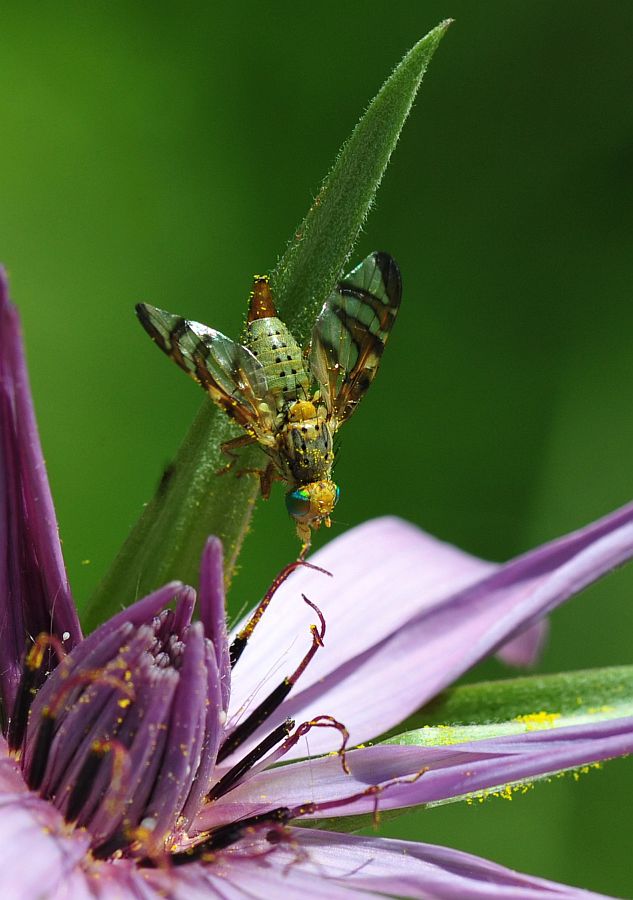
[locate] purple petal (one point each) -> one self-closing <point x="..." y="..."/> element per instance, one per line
<point x="36" y="848"/>
<point x="213" y="611"/>
<point x="11" y="780"/>
<point x="435" y="646"/>
<point x="320" y="864"/>
<point x="242" y="878"/>
<point x="525" y="649"/>
<point x="33" y="850"/>
<point x="453" y="771"/>
<point x="34" y="592"/>
<point x="410" y="869"/>
<point x="370" y="564"/>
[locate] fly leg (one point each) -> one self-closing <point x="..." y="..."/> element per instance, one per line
<point x="229" y="448"/>
<point x="266" y="477"/>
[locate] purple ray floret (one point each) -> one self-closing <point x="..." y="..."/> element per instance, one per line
<point x="34" y="592"/>
<point x="213" y="613"/>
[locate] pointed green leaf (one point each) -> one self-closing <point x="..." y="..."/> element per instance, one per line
<point x="493" y="709"/>
<point x="565" y="694"/>
<point x="322" y="243"/>
<point x="192" y="502"/>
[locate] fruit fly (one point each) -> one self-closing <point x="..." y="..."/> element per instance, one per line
<point x="291" y="401"/>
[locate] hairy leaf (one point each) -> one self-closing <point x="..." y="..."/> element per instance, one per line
<point x="192" y="502"/>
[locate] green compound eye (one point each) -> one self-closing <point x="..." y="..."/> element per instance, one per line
<point x="337" y="495"/>
<point x="298" y="503"/>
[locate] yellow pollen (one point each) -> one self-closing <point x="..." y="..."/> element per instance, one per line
<point x="504" y="793"/>
<point x="508" y="791"/>
<point x="35" y="657"/>
<point x="539" y="720"/>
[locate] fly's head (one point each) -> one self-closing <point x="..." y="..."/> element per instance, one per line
<point x="310" y="505"/>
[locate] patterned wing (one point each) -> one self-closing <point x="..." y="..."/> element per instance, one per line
<point x="228" y="371"/>
<point x="351" y="331"/>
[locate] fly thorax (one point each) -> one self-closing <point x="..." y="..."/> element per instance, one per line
<point x="307" y="449"/>
<point x="280" y="355"/>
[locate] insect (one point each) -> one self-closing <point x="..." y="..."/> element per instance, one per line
<point x="289" y="401"/>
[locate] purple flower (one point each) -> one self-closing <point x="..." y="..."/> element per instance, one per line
<point x="140" y="761"/>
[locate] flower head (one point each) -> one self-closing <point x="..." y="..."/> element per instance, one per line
<point x="141" y="760"/>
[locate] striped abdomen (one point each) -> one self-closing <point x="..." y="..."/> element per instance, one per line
<point x="281" y="357"/>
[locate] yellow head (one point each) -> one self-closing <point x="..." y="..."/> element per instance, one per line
<point x="311" y="504"/>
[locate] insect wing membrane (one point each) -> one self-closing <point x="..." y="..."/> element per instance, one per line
<point x="227" y="370"/>
<point x="351" y="331"/>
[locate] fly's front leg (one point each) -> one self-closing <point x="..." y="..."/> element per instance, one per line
<point x="266" y="477"/>
<point x="229" y="448"/>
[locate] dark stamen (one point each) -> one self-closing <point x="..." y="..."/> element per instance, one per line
<point x="27" y="690"/>
<point x="30" y="682"/>
<point x="225" y="835"/>
<point x="241" y="639"/>
<point x="267" y="707"/>
<point x="256" y="718"/>
<point x="35" y="771"/>
<point x="85" y="780"/>
<point x="229" y="834"/>
<point x="235" y="774"/>
<point x="81" y="804"/>
<point x="115" y="796"/>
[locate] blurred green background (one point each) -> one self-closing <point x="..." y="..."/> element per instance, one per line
<point x="165" y="152"/>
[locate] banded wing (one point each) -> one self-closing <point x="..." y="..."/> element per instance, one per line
<point x="225" y="369"/>
<point x="351" y="331"/>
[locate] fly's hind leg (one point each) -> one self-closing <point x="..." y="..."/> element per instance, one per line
<point x="229" y="448"/>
